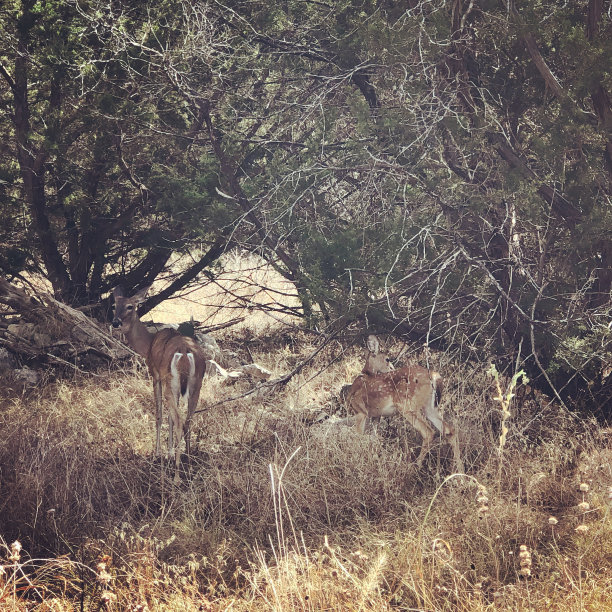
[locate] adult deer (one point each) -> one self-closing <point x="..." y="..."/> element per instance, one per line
<point x="412" y="391"/>
<point x="176" y="363"/>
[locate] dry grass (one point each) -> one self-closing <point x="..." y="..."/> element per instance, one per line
<point x="280" y="511"/>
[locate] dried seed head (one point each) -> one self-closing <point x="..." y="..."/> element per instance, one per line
<point x="360" y="554"/>
<point x="581" y="529"/>
<point x="552" y="521"/>
<point x="103" y="576"/>
<point x="483" y="500"/>
<point x="525" y="561"/>
<point x="584" y="506"/>
<point x="439" y="544"/>
<point x="584" y="487"/>
<point x="108" y="598"/>
<point x="15" y="551"/>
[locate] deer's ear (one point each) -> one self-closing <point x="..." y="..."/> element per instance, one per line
<point x="118" y="291"/>
<point x="140" y="296"/>
<point x="372" y="344"/>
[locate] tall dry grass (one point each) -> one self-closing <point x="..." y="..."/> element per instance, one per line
<point x="280" y="510"/>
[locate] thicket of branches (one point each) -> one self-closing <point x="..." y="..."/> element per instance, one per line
<point x="440" y="170"/>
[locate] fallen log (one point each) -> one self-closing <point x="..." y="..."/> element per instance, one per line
<point x="44" y="330"/>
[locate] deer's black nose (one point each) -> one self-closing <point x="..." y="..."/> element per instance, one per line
<point x="116" y="323"/>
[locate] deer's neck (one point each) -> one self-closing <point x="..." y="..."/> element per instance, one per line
<point x="140" y="338"/>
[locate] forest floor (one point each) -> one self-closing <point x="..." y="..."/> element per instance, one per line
<point x="281" y="508"/>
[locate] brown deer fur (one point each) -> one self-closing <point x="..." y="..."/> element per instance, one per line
<point x="177" y="365"/>
<point x="412" y="391"/>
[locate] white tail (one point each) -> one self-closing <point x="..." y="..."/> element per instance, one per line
<point x="173" y="376"/>
<point x="412" y="391"/>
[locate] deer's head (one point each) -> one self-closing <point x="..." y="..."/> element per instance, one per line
<point x="377" y="362"/>
<point x="126" y="309"/>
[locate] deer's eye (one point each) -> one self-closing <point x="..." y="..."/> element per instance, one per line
<point x="129" y="307"/>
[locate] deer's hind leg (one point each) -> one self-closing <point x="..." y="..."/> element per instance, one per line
<point x="158" y="400"/>
<point x="194" y="387"/>
<point x="176" y="424"/>
<point x="176" y="421"/>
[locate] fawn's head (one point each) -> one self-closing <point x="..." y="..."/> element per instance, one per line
<point x="126" y="309"/>
<point x="377" y="362"/>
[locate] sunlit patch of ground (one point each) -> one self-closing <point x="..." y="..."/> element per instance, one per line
<point x="240" y="282"/>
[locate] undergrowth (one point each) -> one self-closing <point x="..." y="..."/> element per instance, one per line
<point x="280" y="508"/>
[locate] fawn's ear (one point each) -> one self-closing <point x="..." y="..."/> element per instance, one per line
<point x="372" y="344"/>
<point x="140" y="296"/>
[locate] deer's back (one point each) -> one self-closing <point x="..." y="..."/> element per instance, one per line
<point x="408" y="389"/>
<point x="165" y="344"/>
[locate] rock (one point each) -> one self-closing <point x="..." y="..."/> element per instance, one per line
<point x="209" y="346"/>
<point x="256" y="371"/>
<point x="7" y="361"/>
<point x="216" y="370"/>
<point x="26" y="376"/>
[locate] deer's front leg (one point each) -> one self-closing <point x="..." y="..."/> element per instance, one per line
<point x="360" y="422"/>
<point x="427" y="433"/>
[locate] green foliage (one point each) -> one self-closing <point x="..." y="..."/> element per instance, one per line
<point x="425" y="164"/>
